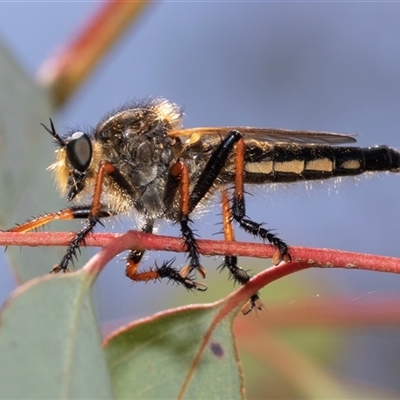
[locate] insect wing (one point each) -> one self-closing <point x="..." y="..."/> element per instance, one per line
<point x="273" y="135"/>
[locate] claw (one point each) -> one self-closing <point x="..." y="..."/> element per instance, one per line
<point x="253" y="302"/>
<point x="281" y="256"/>
<point x="202" y="271"/>
<point x="57" y="268"/>
<point x="189" y="284"/>
<point x="187" y="269"/>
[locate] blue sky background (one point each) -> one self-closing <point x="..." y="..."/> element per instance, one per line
<point x="317" y="66"/>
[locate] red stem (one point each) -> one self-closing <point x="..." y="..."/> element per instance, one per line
<point x="304" y="257"/>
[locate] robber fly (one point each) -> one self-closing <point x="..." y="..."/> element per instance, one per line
<point x="139" y="159"/>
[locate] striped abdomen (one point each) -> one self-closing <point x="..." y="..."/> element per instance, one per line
<point x="292" y="162"/>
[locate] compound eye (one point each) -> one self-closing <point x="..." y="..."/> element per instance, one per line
<point x="79" y="151"/>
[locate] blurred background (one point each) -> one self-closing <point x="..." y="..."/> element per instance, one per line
<point x="315" y="66"/>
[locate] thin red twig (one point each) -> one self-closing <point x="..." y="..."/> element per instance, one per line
<point x="322" y="258"/>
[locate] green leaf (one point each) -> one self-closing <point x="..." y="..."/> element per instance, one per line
<point x="50" y="346"/>
<point x="26" y="150"/>
<point x="185" y="353"/>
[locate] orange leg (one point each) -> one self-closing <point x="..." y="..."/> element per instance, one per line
<point x="179" y="174"/>
<point x="134" y="258"/>
<point x="63" y="215"/>
<point x="93" y="215"/>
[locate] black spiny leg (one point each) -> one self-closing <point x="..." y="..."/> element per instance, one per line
<point x="238" y="274"/>
<point x="74" y="245"/>
<point x="239" y="211"/>
<point x="241" y="276"/>
<point x="168" y="271"/>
